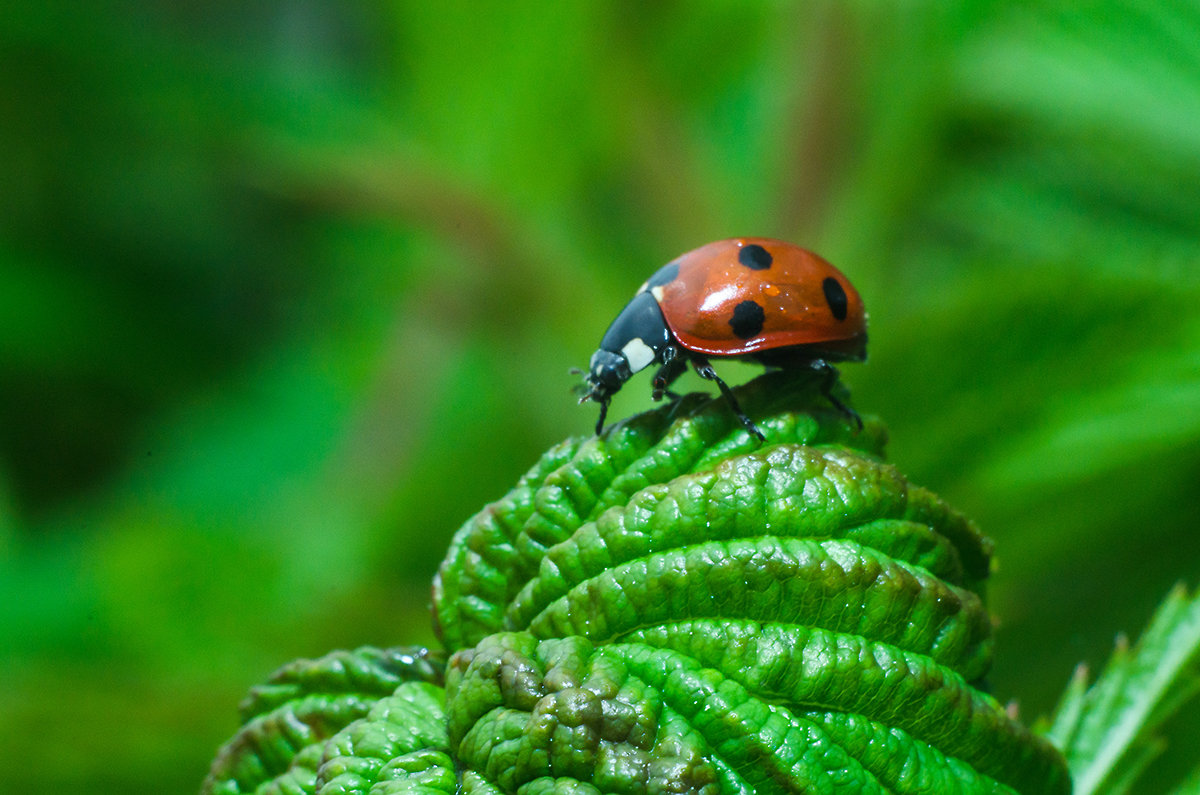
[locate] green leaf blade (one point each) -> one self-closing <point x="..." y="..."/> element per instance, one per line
<point x="1108" y="734"/>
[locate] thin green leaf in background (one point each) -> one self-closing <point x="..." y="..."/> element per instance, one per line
<point x="1111" y="731"/>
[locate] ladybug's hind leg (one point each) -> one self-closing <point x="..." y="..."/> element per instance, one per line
<point x="673" y="366"/>
<point x="705" y="370"/>
<point x="829" y="377"/>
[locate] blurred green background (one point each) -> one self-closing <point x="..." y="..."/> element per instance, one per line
<point x="290" y="289"/>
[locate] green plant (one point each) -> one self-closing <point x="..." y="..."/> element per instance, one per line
<point x="673" y="607"/>
<point x="1111" y="732"/>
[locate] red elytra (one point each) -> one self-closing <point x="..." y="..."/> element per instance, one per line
<point x="792" y="291"/>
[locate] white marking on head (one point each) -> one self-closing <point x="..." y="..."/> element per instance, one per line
<point x="638" y="354"/>
<point x="657" y="292"/>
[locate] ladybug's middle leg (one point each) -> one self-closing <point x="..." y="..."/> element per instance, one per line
<point x="705" y="370"/>
<point x="829" y="376"/>
<point x="673" y="366"/>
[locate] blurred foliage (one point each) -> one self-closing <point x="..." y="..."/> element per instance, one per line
<point x="291" y="289"/>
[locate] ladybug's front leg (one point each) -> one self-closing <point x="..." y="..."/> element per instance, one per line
<point x="672" y="367"/>
<point x="705" y="370"/>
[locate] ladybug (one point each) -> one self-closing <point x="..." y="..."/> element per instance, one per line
<point x="750" y="298"/>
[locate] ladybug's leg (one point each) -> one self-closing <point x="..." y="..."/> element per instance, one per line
<point x="603" y="414"/>
<point x="829" y="376"/>
<point x="705" y="370"/>
<point x="673" y="366"/>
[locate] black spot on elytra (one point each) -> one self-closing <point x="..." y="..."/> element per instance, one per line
<point x="747" y="320"/>
<point x="755" y="257"/>
<point x="664" y="275"/>
<point x="835" y="295"/>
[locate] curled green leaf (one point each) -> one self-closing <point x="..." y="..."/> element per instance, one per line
<point x="630" y="717"/>
<point x="676" y="607"/>
<point x="495" y="553"/>
<point x="288" y="720"/>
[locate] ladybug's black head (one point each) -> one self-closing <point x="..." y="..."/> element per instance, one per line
<point x="634" y="341"/>
<point x="606" y="373"/>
